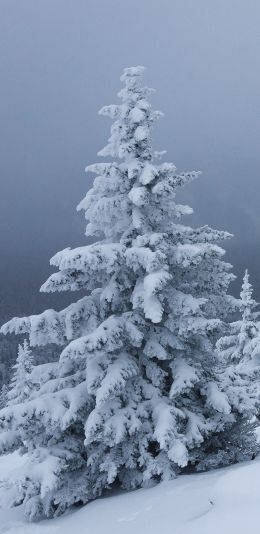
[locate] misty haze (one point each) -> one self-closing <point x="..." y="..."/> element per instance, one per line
<point x="60" y="62"/>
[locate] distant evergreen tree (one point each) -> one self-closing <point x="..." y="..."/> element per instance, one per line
<point x="136" y="394"/>
<point x="21" y="385"/>
<point x="239" y="352"/>
<point x="8" y="356"/>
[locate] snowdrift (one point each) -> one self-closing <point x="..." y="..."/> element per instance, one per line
<point x="222" y="501"/>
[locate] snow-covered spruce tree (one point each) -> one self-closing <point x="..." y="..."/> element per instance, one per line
<point x="239" y="345"/>
<point x="21" y="385"/>
<point x="135" y="395"/>
<point x="239" y="352"/>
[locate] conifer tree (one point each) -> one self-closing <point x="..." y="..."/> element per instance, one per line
<point x="21" y="384"/>
<point x="237" y="345"/>
<point x="136" y="394"/>
<point x="239" y="352"/>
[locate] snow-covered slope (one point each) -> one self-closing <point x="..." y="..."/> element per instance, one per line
<point x="225" y="501"/>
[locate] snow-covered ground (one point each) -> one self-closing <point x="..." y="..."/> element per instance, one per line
<point x="220" y="502"/>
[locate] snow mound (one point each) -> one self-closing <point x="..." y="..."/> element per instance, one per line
<point x="222" y="501"/>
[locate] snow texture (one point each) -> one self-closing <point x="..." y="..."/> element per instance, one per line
<point x="224" y="501"/>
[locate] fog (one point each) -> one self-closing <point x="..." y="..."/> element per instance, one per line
<point x="61" y="61"/>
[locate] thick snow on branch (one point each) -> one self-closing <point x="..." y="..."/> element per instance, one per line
<point x="83" y="267"/>
<point x="55" y="327"/>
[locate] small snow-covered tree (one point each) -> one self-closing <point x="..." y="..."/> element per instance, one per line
<point x="21" y="384"/>
<point x="136" y="393"/>
<point x="239" y="353"/>
<point x="236" y="346"/>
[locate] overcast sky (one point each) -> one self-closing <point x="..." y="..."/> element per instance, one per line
<point x="60" y="61"/>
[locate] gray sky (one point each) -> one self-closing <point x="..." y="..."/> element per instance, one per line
<point x="60" y="61"/>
